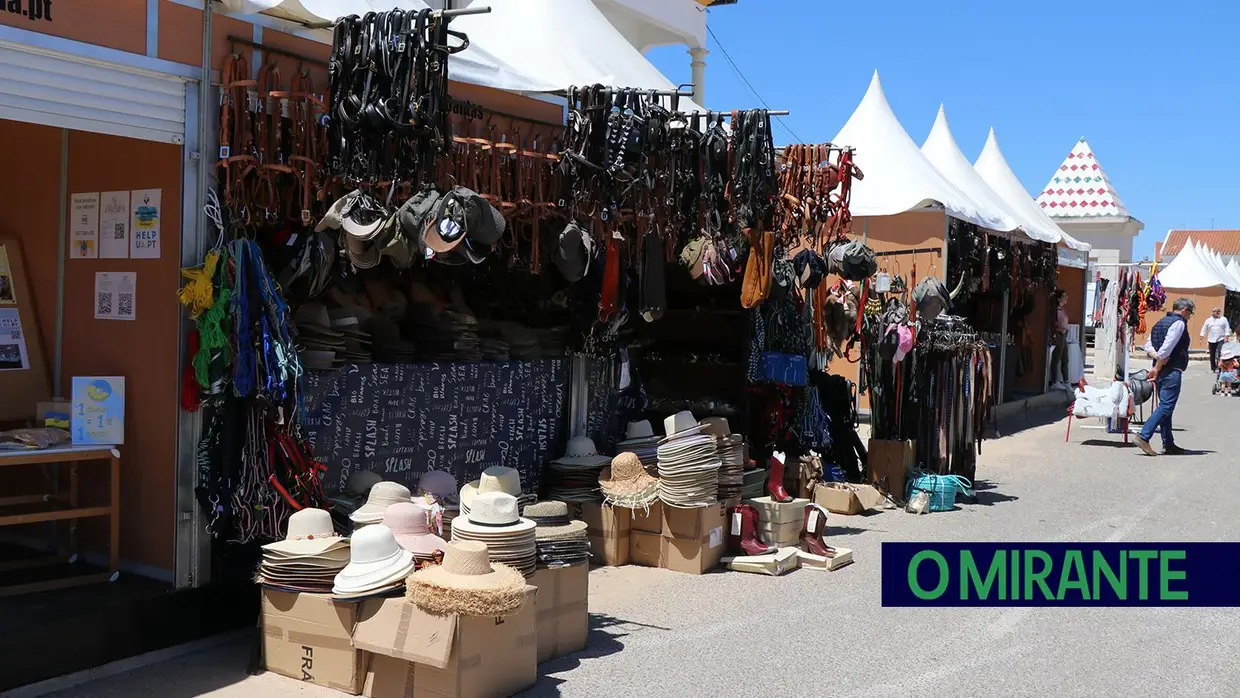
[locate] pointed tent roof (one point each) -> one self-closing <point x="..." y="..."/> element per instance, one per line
<point x="996" y="172"/>
<point x="943" y="152"/>
<point x="1234" y="268"/>
<point x="1081" y="188"/>
<point x="1217" y="263"/>
<point x="1190" y="270"/>
<point x="898" y="177"/>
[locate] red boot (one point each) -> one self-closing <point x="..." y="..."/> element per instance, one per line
<point x="750" y="542"/>
<point x="811" y="531"/>
<point x="775" y="480"/>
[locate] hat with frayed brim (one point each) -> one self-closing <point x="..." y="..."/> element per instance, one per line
<point x="625" y="483"/>
<point x="551" y="521"/>
<point x="467" y="583"/>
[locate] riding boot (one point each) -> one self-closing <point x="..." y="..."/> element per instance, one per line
<point x="750" y="542"/>
<point x="775" y="481"/>
<point x="811" y="535"/>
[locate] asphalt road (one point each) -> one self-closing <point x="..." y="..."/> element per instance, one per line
<point x="814" y="634"/>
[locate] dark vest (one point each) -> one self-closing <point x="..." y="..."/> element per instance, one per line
<point x="1179" y="355"/>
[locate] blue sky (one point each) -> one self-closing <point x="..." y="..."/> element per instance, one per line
<point x="1154" y="87"/>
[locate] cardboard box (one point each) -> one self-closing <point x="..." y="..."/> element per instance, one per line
<point x="651" y="521"/>
<point x="888" y="463"/>
<point x="608" y="529"/>
<point x="563" y="611"/>
<point x="780" y="534"/>
<point x="419" y="654"/>
<point x="774" y="564"/>
<point x="693" y="524"/>
<point x="773" y="512"/>
<point x="837" y="498"/>
<point x="692" y="556"/>
<point x="645" y="548"/>
<point x="306" y="637"/>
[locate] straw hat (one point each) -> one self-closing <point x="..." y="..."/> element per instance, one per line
<point x="310" y="534"/>
<point x="382" y="495"/>
<point x="626" y="483"/>
<point x="375" y="562"/>
<point x="640" y="431"/>
<point x="410" y="524"/>
<point x="551" y="521"/>
<point x="680" y="425"/>
<point x="493" y="514"/>
<point x="580" y="453"/>
<point x="467" y="583"/>
<point x="494" y="479"/>
<point x="716" y="426"/>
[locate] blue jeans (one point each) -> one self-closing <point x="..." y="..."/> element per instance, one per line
<point x="1168" y="394"/>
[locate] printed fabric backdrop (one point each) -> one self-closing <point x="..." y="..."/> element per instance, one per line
<point x="401" y="420"/>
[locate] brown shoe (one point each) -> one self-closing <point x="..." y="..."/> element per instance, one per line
<point x="1145" y="446"/>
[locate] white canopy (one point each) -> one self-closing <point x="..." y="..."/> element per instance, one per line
<point x="898" y="177"/>
<point x="1217" y="262"/>
<point x="1190" y="269"/>
<point x="996" y="172"/>
<point x="1234" y="268"/>
<point x="941" y="150"/>
<point x="525" y="46"/>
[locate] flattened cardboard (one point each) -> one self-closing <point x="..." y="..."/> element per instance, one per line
<point x="651" y="522"/>
<point x="393" y="627"/>
<point x="777" y="563"/>
<point x="563" y="611"/>
<point x="888" y="463"/>
<point x="810" y="561"/>
<point x="773" y="512"/>
<point x="306" y="637"/>
<point x="692" y="524"/>
<point x="645" y="548"/>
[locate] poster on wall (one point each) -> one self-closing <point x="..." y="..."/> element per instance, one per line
<point x="13" y="355"/>
<point x="114" y="295"/>
<point x="8" y="289"/>
<point x="97" y="407"/>
<point x="84" y="226"/>
<point x="144" y="234"/>
<point x="114" y="225"/>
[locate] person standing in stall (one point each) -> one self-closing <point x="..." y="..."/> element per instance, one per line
<point x="1168" y="346"/>
<point x="1215" y="330"/>
<point x="1059" y="355"/>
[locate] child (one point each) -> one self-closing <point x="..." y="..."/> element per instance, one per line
<point x="1227" y="375"/>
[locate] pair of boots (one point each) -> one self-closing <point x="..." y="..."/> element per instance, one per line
<point x="743" y="532"/>
<point x="814" y="525"/>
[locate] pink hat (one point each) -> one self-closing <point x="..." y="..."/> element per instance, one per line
<point x="905" y="333"/>
<point x="409" y="522"/>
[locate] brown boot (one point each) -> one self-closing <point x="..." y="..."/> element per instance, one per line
<point x="811" y="531"/>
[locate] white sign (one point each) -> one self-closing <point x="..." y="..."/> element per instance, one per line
<point x="84" y="227"/>
<point x="115" y="294"/>
<point x="144" y="235"/>
<point x="13" y="356"/>
<point x="114" y="225"/>
<point x="97" y="411"/>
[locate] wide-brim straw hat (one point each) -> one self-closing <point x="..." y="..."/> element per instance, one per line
<point x="581" y="453"/>
<point x="467" y="583"/>
<point x="310" y="533"/>
<point x="382" y="495"/>
<point x="497" y="478"/>
<point x="626" y="483"/>
<point x="552" y="522"/>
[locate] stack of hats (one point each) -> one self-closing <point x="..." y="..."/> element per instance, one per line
<point x="382" y="495"/>
<point x="438" y="489"/>
<point x="688" y="464"/>
<point x="464" y="228"/>
<point x="640" y="439"/>
<point x="320" y="345"/>
<point x="627" y="483"/>
<point x="574" y="476"/>
<point x="351" y="323"/>
<point x="356" y="490"/>
<point x="561" y="542"/>
<point x="496" y="478"/>
<point x="377" y="565"/>
<point x="732" y="453"/>
<point x="309" y="557"/>
<point x="388" y="346"/>
<point x="444" y="335"/>
<point x="410" y="523"/>
<point x="753" y="483"/>
<point x="467" y="584"/>
<point x="493" y="519"/>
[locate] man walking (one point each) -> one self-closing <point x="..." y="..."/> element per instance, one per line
<point x="1168" y="346"/>
<point x="1215" y="330"/>
<point x="1059" y="355"/>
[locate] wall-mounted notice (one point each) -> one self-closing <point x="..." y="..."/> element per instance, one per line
<point x="13" y="356"/>
<point x="114" y="225"/>
<point x="84" y="226"/>
<point x="98" y="410"/>
<point x="8" y="287"/>
<point x="144" y="236"/>
<point x="114" y="295"/>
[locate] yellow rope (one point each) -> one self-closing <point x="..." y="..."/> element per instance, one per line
<point x="197" y="295"/>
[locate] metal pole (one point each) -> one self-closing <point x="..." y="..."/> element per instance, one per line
<point x="1003" y="342"/>
<point x="62" y="244"/>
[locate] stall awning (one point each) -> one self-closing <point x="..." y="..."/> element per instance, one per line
<point x="898" y="178"/>
<point x="527" y="46"/>
<point x="996" y="172"/>
<point x="1190" y="269"/>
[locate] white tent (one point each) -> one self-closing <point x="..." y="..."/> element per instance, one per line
<point x="898" y="178"/>
<point x="526" y="46"/>
<point x="1217" y="262"/>
<point x="996" y="172"/>
<point x="1191" y="270"/>
<point x="941" y="150"/>
<point x="1234" y="268"/>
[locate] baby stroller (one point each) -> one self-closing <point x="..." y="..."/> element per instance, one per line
<point x="1228" y="374"/>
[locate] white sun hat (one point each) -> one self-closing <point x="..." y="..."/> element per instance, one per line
<point x="375" y="561"/>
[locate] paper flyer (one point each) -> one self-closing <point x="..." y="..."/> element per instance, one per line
<point x="114" y="225"/>
<point x="98" y="411"/>
<point x="115" y="295"/>
<point x="8" y="289"/>
<point x="84" y="226"/>
<point x="144" y="234"/>
<point x="13" y="356"/>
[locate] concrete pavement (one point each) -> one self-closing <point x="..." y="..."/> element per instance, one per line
<point x="817" y="634"/>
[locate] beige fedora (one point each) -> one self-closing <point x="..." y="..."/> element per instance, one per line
<point x="382" y="495"/>
<point x="494" y="479"/>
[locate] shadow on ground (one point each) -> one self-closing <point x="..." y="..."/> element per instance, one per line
<point x="986" y="494"/>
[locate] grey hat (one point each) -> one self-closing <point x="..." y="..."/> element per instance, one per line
<point x="573" y="252"/>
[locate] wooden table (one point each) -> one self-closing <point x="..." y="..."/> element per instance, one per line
<point x="63" y="506"/>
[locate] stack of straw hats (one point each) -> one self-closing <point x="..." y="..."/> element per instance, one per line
<point x="561" y="542"/>
<point x="688" y="464"/>
<point x="494" y="519"/>
<point x="732" y="454"/>
<point x="308" y="558"/>
<point x="377" y="565"/>
<point x="626" y="483"/>
<point x="574" y="476"/>
<point x="640" y="439"/>
<point x="494" y="479"/>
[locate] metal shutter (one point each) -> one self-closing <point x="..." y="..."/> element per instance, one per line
<point x="56" y="89"/>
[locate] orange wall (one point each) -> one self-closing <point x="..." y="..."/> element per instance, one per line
<point x="118" y="24"/>
<point x="29" y="195"/>
<point x="1205" y="298"/>
<point x="1072" y="281"/>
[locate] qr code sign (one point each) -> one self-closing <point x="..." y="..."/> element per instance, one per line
<point x="103" y="304"/>
<point x="118" y="231"/>
<point x="124" y="304"/>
